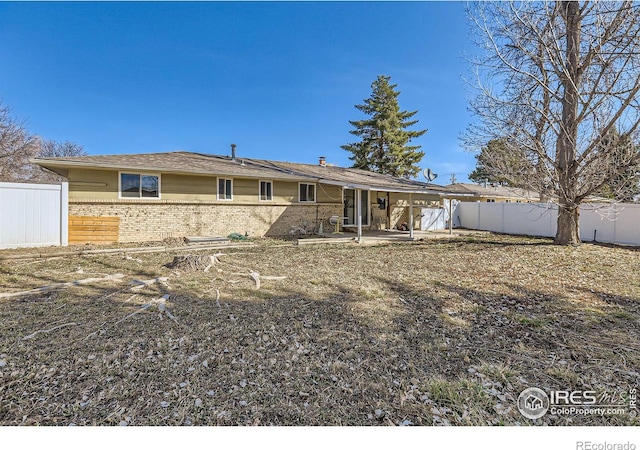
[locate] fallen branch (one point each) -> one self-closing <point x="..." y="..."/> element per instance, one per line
<point x="32" y="335"/>
<point x="159" y="302"/>
<point x="128" y="300"/>
<point x="144" y="307"/>
<point x="256" y="277"/>
<point x="57" y="286"/>
<point x="267" y="277"/>
<point x="162" y="307"/>
<point x="140" y="284"/>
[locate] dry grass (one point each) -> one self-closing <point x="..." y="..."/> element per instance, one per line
<point x="441" y="332"/>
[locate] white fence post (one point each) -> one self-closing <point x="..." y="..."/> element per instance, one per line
<point x="616" y="215"/>
<point x="64" y="214"/>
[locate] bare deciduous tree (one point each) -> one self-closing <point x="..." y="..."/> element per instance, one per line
<point x="556" y="80"/>
<point x="53" y="149"/>
<point x="17" y="145"/>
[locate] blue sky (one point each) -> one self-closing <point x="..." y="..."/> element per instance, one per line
<point x="280" y="80"/>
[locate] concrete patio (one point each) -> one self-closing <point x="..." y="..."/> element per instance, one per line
<point x="382" y="236"/>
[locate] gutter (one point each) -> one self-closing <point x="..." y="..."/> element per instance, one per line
<point x="386" y="189"/>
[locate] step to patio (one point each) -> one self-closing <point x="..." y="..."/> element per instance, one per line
<point x="325" y="240"/>
<point x="206" y="239"/>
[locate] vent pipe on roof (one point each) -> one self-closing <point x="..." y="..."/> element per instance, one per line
<point x="322" y="161"/>
<point x="233" y="152"/>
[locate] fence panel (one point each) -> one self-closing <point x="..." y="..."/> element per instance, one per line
<point x="627" y="228"/>
<point x="612" y="223"/>
<point x="532" y="219"/>
<point x="33" y="215"/>
<point x="598" y="222"/>
<point x="490" y="217"/>
<point x="468" y="213"/>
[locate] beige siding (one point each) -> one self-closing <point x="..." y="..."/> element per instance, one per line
<point x="328" y="193"/>
<point x="187" y="187"/>
<point x="93" y="184"/>
<point x="245" y="191"/>
<point x="103" y="185"/>
<point x="285" y="192"/>
<point x="90" y="184"/>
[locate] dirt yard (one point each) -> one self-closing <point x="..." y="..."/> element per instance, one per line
<point x="427" y="333"/>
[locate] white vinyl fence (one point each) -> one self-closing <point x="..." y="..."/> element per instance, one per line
<point x="33" y="215"/>
<point x="617" y="223"/>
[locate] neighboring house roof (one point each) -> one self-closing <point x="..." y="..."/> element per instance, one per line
<point x="478" y="190"/>
<point x="205" y="164"/>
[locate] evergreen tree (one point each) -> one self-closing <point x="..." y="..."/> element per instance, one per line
<point x="496" y="158"/>
<point x="624" y="180"/>
<point x="384" y="139"/>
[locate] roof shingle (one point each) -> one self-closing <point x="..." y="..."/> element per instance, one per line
<point x="206" y="164"/>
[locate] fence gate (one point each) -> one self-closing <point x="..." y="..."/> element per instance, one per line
<point x="33" y="215"/>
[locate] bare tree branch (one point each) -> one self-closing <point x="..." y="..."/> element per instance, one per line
<point x="556" y="82"/>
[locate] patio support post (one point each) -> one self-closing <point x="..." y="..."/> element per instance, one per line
<point x="359" y="213"/>
<point x="410" y="215"/>
<point x="450" y="216"/>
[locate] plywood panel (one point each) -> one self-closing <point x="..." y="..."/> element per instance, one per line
<point x="87" y="229"/>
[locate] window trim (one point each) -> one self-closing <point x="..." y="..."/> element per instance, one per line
<point x="218" y="189"/>
<point x="140" y="174"/>
<point x="260" y="191"/>
<point x="315" y="192"/>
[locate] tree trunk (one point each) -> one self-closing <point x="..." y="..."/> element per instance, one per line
<point x="568" y="232"/>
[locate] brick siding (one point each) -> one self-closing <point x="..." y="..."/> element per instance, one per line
<point x="152" y="221"/>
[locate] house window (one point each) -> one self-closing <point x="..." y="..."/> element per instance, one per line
<point x="266" y="191"/>
<point x="137" y="185"/>
<point x="491" y="200"/>
<point x="307" y="192"/>
<point x="225" y="189"/>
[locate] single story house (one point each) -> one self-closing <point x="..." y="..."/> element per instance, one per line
<point x="469" y="192"/>
<point x="141" y="197"/>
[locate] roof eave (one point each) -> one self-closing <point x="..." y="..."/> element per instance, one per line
<point x="47" y="163"/>
<point x="372" y="187"/>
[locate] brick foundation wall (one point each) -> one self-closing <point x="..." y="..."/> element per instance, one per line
<point x="152" y="221"/>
